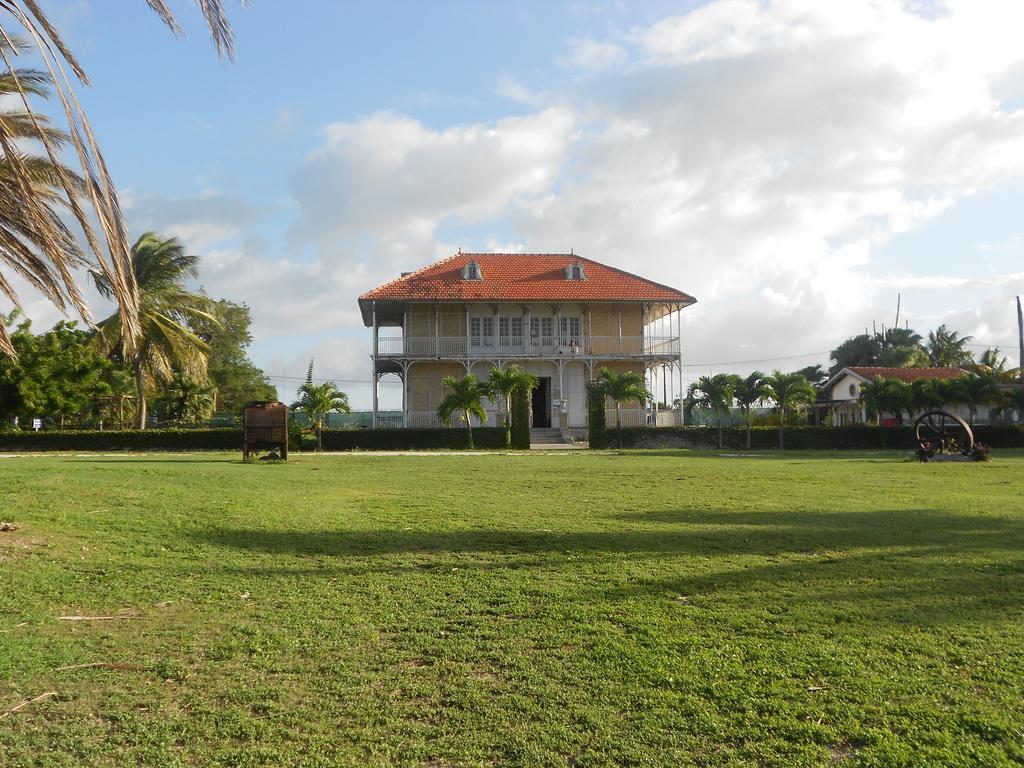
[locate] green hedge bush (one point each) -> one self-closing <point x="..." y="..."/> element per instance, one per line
<point x="410" y="439"/>
<point x="597" y="433"/>
<point x="858" y="436"/>
<point x="521" y="420"/>
<point x="127" y="440"/>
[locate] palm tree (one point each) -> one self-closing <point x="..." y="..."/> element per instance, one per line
<point x="189" y="401"/>
<point x="973" y="390"/>
<point x="749" y="392"/>
<point x="34" y="241"/>
<point x="464" y="398"/>
<point x="26" y="232"/>
<point x="925" y="394"/>
<point x="884" y="395"/>
<point x="159" y="267"/>
<point x="318" y="400"/>
<point x="621" y="388"/>
<point x="715" y="394"/>
<point x="787" y="391"/>
<point x="991" y="361"/>
<point x="505" y="384"/>
<point x="946" y="348"/>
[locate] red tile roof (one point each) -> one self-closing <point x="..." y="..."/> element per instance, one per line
<point x="907" y="374"/>
<point x="523" y="277"/>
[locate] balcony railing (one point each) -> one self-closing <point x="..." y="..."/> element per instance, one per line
<point x="523" y="346"/>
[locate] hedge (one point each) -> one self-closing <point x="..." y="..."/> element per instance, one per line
<point x="804" y="438"/>
<point x="128" y="440"/>
<point x="597" y="434"/>
<point x="521" y="419"/>
<point x="410" y="439"/>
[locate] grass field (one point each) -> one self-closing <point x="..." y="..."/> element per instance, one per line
<point x="571" y="609"/>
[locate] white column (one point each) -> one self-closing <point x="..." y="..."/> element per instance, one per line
<point x="437" y="329"/>
<point x="618" y="314"/>
<point x="590" y="331"/>
<point x="375" y="351"/>
<point x="679" y="334"/>
<point x="405" y="394"/>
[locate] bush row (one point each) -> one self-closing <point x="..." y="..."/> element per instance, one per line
<point x="410" y="439"/>
<point x="801" y="438"/>
<point x="126" y="440"/>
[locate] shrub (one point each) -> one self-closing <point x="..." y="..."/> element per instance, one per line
<point x="596" y="428"/>
<point x="858" y="436"/>
<point x="410" y="439"/>
<point x="521" y="420"/>
<point x="124" y="440"/>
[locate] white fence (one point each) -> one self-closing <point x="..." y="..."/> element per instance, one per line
<point x="575" y="419"/>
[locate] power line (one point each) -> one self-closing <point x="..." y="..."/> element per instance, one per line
<point x="758" y="360"/>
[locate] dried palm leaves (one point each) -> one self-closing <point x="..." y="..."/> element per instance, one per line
<point x="34" y="241"/>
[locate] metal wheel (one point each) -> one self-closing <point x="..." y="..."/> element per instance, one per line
<point x="942" y="432"/>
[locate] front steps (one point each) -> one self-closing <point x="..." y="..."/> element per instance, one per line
<point x="541" y="437"/>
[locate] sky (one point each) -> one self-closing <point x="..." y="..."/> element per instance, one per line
<point x="795" y="165"/>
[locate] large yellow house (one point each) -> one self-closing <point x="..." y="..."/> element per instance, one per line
<point x="559" y="316"/>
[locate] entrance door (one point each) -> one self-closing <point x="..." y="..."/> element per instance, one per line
<point x="541" y="403"/>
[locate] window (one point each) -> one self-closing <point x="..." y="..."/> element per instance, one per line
<point x="472" y="272"/>
<point x="569" y="331"/>
<point x="481" y="331"/>
<point x="574" y="272"/>
<point x="541" y="330"/>
<point x="510" y="331"/>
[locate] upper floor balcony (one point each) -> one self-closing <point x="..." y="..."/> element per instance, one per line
<point x="463" y="347"/>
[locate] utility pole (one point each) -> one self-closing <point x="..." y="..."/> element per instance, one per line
<point x="1020" y="337"/>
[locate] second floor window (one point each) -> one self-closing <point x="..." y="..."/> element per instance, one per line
<point x="510" y="331"/>
<point x="570" y="330"/>
<point x="481" y="331"/>
<point x="541" y="330"/>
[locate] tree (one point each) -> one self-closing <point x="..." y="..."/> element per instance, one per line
<point x="318" y="400"/>
<point x="622" y="388"/>
<point x="973" y="390"/>
<point x="925" y="394"/>
<point x="947" y="349"/>
<point x="167" y="344"/>
<point x="236" y="380"/>
<point x="714" y="394"/>
<point x="858" y="350"/>
<point x="815" y="374"/>
<point x="464" y="396"/>
<point x="188" y="401"/>
<point x="749" y="392"/>
<point x="886" y="395"/>
<point x="504" y="384"/>
<point x="991" y="361"/>
<point x="786" y="392"/>
<point x="34" y="242"/>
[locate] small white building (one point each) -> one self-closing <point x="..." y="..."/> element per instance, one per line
<point x="843" y="389"/>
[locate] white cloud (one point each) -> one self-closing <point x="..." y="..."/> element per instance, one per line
<point x="590" y="55"/>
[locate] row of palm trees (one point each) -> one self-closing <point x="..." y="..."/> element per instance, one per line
<point x="786" y="392"/>
<point x="887" y="395"/>
<point x="465" y="396"/>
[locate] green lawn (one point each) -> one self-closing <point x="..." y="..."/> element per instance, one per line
<point x="565" y="609"/>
